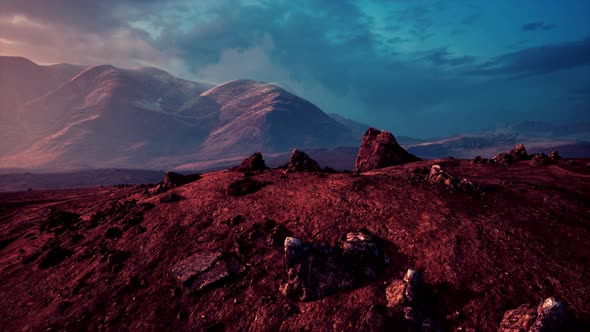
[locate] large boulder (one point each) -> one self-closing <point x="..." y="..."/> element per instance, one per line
<point x="301" y="162"/>
<point x="254" y="163"/>
<point x="380" y="149"/>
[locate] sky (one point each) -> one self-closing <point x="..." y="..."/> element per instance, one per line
<point x="417" y="68"/>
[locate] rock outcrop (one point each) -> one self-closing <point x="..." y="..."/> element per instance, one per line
<point x="252" y="164"/>
<point x="301" y="162"/>
<point x="380" y="149"/>
<point x="517" y="153"/>
<point x="315" y="271"/>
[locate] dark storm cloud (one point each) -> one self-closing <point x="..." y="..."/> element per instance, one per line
<point x="534" y="26"/>
<point x="539" y="60"/>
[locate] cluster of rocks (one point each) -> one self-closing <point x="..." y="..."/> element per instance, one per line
<point x="549" y="316"/>
<point x="407" y="303"/>
<point x="380" y="149"/>
<point x="317" y="270"/>
<point x="438" y="176"/>
<point x="173" y="180"/>
<point x="541" y="159"/>
<point x="203" y="270"/>
<point x="519" y="153"/>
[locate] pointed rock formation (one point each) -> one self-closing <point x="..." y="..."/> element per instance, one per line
<point x="301" y="162"/>
<point x="380" y="149"/>
<point x="254" y="163"/>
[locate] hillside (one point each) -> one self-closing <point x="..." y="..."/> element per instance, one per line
<point x="521" y="238"/>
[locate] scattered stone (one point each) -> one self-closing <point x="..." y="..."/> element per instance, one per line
<point x="202" y="270"/>
<point x="170" y="198"/>
<point x="315" y="271"/>
<point x="477" y="160"/>
<point x="301" y="162"/>
<point x="244" y="187"/>
<point x="517" y="153"/>
<point x="114" y="233"/>
<point x="438" y="176"/>
<point x="380" y="149"/>
<point x="254" y="163"/>
<point x="550" y="316"/>
<point x="54" y="256"/>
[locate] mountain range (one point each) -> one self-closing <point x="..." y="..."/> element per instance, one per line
<point x="68" y="117"/>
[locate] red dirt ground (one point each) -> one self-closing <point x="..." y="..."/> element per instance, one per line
<point x="525" y="239"/>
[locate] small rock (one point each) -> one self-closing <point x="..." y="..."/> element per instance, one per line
<point x="204" y="269"/>
<point x="301" y="162"/>
<point x="477" y="160"/>
<point x="551" y="316"/>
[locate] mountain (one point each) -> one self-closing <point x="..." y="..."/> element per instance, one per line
<point x="22" y="80"/>
<point x="108" y="117"/>
<point x="249" y="115"/>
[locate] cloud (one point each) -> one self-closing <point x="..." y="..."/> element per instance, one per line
<point x="442" y="57"/>
<point x="539" y="60"/>
<point x="393" y="66"/>
<point x="537" y="26"/>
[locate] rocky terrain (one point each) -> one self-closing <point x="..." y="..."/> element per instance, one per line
<point x="438" y="245"/>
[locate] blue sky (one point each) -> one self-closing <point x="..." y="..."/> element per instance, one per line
<point x="418" y="68"/>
